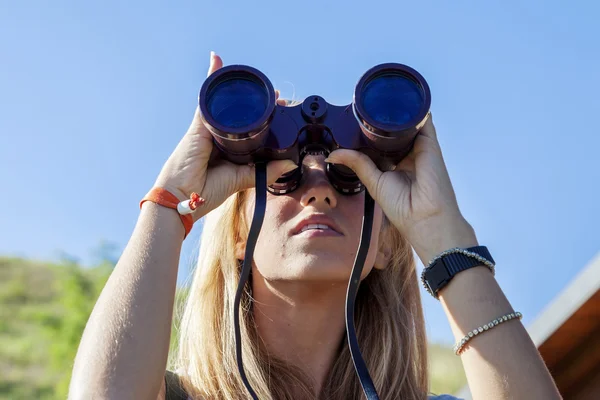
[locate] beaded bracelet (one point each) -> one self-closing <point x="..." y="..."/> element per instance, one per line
<point x="467" y="253"/>
<point x="459" y="346"/>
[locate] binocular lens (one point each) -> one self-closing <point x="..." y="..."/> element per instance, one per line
<point x="392" y="99"/>
<point x="237" y="102"/>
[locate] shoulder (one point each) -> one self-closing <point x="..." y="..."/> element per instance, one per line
<point x="443" y="397"/>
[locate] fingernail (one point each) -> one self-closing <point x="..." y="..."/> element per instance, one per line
<point x="212" y="55"/>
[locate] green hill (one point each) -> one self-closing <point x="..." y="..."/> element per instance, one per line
<point x="43" y="310"/>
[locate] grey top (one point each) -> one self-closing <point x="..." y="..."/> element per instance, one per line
<point x="440" y="397"/>
<point x="175" y="392"/>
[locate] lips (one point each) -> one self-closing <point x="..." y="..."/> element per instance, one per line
<point x="315" y="226"/>
<point x="316" y="222"/>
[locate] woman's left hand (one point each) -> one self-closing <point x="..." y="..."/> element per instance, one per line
<point x="417" y="197"/>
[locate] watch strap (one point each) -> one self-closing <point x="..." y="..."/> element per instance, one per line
<point x="449" y="263"/>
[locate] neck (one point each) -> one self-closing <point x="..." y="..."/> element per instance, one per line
<point x="301" y="322"/>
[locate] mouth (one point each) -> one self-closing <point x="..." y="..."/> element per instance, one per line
<point x="317" y="230"/>
<point x="317" y="225"/>
<point x="320" y="227"/>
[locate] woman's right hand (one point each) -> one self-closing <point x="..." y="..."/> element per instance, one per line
<point x="187" y="169"/>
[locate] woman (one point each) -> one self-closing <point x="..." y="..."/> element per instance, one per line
<point x="294" y="332"/>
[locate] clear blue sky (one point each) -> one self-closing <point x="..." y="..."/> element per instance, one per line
<point x="95" y="95"/>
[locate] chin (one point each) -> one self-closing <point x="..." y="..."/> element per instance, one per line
<point x="322" y="267"/>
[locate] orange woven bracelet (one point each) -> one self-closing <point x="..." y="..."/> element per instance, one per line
<point x="167" y="199"/>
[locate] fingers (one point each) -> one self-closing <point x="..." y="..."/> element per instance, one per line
<point x="276" y="168"/>
<point x="407" y="164"/>
<point x="428" y="130"/>
<point x="281" y="102"/>
<point x="245" y="175"/>
<point x="197" y="126"/>
<point x="215" y="63"/>
<point x="426" y="141"/>
<point x="362" y="165"/>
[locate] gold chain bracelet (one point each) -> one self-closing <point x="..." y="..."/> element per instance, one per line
<point x="459" y="346"/>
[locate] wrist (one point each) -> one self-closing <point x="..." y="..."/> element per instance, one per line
<point x="166" y="218"/>
<point x="434" y="235"/>
<point x="164" y="197"/>
<point x="180" y="194"/>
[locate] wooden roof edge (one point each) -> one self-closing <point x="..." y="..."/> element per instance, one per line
<point x="585" y="284"/>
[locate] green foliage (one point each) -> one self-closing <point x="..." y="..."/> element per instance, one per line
<point x="445" y="370"/>
<point x="180" y="298"/>
<point x="43" y="308"/>
<point x="43" y="311"/>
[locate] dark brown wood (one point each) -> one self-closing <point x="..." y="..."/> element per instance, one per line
<point x="572" y="353"/>
<point x="574" y="370"/>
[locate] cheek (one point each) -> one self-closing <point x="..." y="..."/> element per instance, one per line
<point x="377" y="224"/>
<point x="272" y="240"/>
<point x="354" y="210"/>
<point x="374" y="245"/>
<point x="279" y="209"/>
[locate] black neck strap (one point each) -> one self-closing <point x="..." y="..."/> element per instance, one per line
<point x="363" y="248"/>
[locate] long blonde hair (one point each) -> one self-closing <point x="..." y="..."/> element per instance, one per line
<point x="388" y="317"/>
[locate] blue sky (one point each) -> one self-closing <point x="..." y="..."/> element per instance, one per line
<point x="95" y="95"/>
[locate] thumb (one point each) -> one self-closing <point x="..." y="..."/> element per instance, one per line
<point x="361" y="164"/>
<point x="215" y="63"/>
<point x="197" y="126"/>
<point x="275" y="168"/>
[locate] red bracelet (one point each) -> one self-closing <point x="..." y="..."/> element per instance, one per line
<point x="167" y="199"/>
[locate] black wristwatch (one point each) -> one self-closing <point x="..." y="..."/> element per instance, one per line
<point x="443" y="269"/>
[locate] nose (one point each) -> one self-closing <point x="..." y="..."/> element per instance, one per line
<point x="317" y="189"/>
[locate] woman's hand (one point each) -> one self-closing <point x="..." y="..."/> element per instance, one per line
<point x="187" y="170"/>
<point x="417" y="197"/>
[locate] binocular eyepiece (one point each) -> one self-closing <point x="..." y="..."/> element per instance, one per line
<point x="390" y="105"/>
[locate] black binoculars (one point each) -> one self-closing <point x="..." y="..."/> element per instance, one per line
<point x="390" y="105"/>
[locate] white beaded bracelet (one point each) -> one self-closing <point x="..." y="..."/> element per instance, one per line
<point x="459" y="346"/>
<point x="467" y="253"/>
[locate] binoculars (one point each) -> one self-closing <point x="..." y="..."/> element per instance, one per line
<point x="390" y="105"/>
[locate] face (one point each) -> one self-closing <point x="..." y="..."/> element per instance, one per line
<point x="312" y="234"/>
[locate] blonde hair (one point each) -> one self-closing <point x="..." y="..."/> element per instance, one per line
<point x="388" y="317"/>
